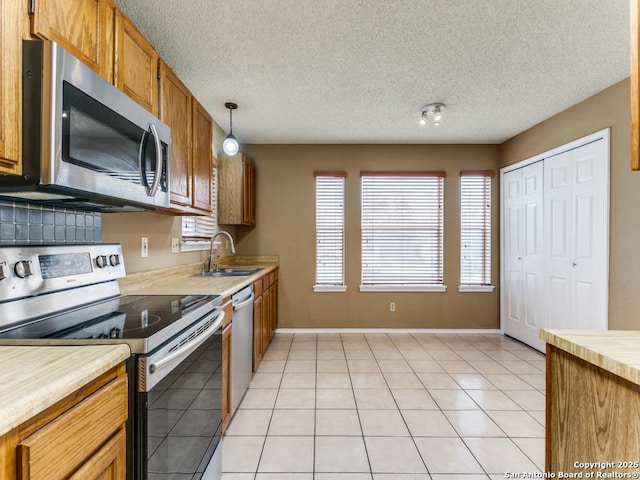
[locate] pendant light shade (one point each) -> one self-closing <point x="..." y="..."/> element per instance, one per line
<point x="230" y="146"/>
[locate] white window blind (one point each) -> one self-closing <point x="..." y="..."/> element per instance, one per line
<point x="475" y="228"/>
<point x="199" y="229"/>
<point x="330" y="228"/>
<point x="402" y="228"/>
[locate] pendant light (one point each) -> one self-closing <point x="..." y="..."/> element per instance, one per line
<point x="230" y="145"/>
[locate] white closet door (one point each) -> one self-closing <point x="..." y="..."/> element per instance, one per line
<point x="523" y="253"/>
<point x="533" y="267"/>
<point x="513" y="252"/>
<point x="557" y="212"/>
<point x="575" y="202"/>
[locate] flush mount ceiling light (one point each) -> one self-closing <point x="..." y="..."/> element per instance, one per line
<point x="432" y="113"/>
<point x="230" y="145"/>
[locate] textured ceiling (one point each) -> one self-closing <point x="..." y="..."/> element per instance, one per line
<point x="357" y="71"/>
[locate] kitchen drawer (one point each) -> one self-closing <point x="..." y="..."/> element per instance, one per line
<point x="272" y="278"/>
<point x="61" y="446"/>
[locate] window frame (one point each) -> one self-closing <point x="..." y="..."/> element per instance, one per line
<point x="331" y="232"/>
<point x="430" y="219"/>
<point x="486" y="245"/>
<point x="201" y="242"/>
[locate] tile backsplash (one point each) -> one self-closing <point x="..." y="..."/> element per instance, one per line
<point x="32" y="224"/>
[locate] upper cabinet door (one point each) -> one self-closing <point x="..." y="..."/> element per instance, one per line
<point x="175" y="111"/>
<point x="82" y="27"/>
<point x="10" y="86"/>
<point x="136" y="64"/>
<point x="248" y="192"/>
<point x="202" y="157"/>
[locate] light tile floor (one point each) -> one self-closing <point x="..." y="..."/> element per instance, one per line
<point x="389" y="406"/>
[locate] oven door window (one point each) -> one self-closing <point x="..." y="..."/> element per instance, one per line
<point x="97" y="138"/>
<point x="184" y="416"/>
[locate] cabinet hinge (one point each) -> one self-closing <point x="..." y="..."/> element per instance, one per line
<point x="32" y="7"/>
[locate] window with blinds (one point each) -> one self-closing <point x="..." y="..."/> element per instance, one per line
<point x="329" y="231"/>
<point x="475" y="228"/>
<point x="402" y="231"/>
<point x="198" y="230"/>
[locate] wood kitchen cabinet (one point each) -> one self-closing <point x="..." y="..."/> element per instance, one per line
<point x="202" y="126"/>
<point x="175" y="111"/>
<point x="191" y="139"/>
<point x="265" y="314"/>
<point x="136" y="64"/>
<point x="592" y="401"/>
<point x="10" y="86"/>
<point x="237" y="190"/>
<point x="257" y="323"/>
<point x="82" y="27"/>
<point x="81" y="437"/>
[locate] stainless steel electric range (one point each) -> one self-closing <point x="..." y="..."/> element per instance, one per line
<point x="69" y="295"/>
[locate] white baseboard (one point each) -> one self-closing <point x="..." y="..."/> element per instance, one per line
<point x="461" y="331"/>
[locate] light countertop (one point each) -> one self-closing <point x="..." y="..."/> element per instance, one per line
<point x="616" y="351"/>
<point x="34" y="378"/>
<point x="186" y="280"/>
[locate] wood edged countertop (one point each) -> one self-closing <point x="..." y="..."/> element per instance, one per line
<point x="615" y="351"/>
<point x="186" y="279"/>
<point x="33" y="378"/>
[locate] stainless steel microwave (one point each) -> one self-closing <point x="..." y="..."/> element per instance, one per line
<point x="85" y="143"/>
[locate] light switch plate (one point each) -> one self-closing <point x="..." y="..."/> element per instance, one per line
<point x="144" y="247"/>
<point x="175" y="245"/>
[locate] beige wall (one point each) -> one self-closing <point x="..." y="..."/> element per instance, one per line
<point x="129" y="228"/>
<point x="609" y="108"/>
<point x="286" y="227"/>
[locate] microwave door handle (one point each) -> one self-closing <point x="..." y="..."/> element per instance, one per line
<point x="141" y="163"/>
<point x="158" y="172"/>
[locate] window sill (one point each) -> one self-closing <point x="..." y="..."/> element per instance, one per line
<point x="403" y="288"/>
<point x="194" y="246"/>
<point x="476" y="288"/>
<point x="329" y="288"/>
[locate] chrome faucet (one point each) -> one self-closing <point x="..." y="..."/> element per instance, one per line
<point x="212" y="262"/>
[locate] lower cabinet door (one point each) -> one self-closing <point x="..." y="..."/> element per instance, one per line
<point x="108" y="463"/>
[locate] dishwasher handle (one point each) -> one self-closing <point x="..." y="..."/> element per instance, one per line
<point x="240" y="306"/>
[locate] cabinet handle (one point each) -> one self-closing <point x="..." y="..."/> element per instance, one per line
<point x="574" y="264"/>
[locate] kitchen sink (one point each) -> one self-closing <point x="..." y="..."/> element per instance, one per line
<point x="230" y="272"/>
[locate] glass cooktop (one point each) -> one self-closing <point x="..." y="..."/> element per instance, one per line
<point x="133" y="317"/>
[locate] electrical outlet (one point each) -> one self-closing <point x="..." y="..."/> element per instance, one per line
<point x="175" y="245"/>
<point x="392" y="306"/>
<point x="144" y="247"/>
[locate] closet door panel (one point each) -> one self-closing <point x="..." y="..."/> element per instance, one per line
<point x="513" y="246"/>
<point x="588" y="239"/>
<point x="533" y="260"/>
<point x="557" y="214"/>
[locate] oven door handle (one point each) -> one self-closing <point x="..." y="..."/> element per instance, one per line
<point x="187" y="348"/>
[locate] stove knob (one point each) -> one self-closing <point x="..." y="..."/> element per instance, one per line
<point x="23" y="269"/>
<point x="3" y="274"/>
<point x="101" y="261"/>
<point x="114" y="260"/>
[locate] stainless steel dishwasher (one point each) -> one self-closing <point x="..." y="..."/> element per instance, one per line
<point x="241" y="344"/>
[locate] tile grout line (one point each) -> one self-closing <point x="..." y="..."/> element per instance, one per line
<point x="366" y="450"/>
